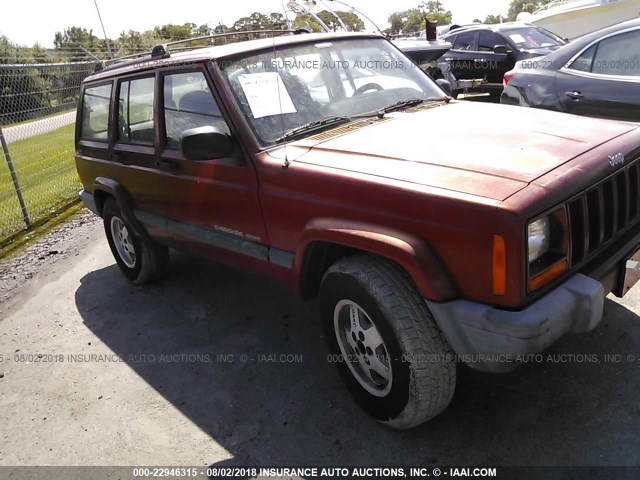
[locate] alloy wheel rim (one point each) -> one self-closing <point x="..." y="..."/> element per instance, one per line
<point x="363" y="348"/>
<point x="122" y="241"/>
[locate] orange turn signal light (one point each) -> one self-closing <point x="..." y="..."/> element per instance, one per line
<point x="549" y="274"/>
<point x="499" y="271"/>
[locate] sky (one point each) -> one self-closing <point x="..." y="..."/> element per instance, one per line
<point x="31" y="21"/>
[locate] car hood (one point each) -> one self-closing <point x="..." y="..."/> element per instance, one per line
<point x="490" y="151"/>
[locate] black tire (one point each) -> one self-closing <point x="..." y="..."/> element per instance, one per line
<point x="423" y="367"/>
<point x="149" y="260"/>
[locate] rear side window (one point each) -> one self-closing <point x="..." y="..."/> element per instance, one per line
<point x="135" y="111"/>
<point x="465" y="41"/>
<point x="95" y="113"/>
<point x="619" y="55"/>
<point x="188" y="103"/>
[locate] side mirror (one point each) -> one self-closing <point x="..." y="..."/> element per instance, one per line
<point x="204" y="143"/>
<point x="501" y="49"/>
<point x="445" y="85"/>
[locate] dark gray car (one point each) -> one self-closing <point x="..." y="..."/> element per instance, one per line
<point x="596" y="75"/>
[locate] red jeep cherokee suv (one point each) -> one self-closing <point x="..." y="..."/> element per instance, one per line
<point x="431" y="230"/>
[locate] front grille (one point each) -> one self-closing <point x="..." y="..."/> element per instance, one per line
<point x="600" y="214"/>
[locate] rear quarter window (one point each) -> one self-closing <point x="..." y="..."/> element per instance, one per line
<point x="95" y="113"/>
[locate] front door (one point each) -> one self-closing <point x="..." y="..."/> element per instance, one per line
<point x="215" y="206"/>
<point x="604" y="81"/>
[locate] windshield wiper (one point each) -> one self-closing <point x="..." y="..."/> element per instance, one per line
<point x="403" y="104"/>
<point x="312" y="127"/>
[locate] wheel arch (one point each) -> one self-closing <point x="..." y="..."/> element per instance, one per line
<point x="325" y="241"/>
<point x="105" y="188"/>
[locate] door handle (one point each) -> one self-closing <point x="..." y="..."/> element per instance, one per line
<point x="166" y="164"/>
<point x="575" y="95"/>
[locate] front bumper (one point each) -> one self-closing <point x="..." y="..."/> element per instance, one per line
<point x="490" y="339"/>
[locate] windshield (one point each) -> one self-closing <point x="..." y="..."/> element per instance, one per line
<point x="283" y="90"/>
<point x="531" y="37"/>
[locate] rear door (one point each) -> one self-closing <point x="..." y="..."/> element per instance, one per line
<point x="133" y="155"/>
<point x="463" y="54"/>
<point x="604" y="80"/>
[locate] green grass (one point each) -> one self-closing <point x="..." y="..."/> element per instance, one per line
<point x="46" y="171"/>
<point x="51" y="115"/>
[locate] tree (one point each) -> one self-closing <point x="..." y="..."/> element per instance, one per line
<point x="493" y="19"/>
<point x="435" y="12"/>
<point x="76" y="41"/>
<point x="172" y="32"/>
<point x="135" y="42"/>
<point x="518" y="6"/>
<point x="307" y="21"/>
<point x="256" y="21"/>
<point x="277" y="21"/>
<point x="24" y="89"/>
<point x="397" y="21"/>
<point x="221" y="28"/>
<point x="414" y="20"/>
<point x="350" y="19"/>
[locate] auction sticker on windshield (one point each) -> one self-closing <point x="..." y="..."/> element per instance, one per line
<point x="266" y="93"/>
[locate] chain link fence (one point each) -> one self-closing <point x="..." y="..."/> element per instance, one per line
<point x="37" y="116"/>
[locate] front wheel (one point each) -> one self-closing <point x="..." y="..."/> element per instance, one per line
<point x="140" y="259"/>
<point x="392" y="356"/>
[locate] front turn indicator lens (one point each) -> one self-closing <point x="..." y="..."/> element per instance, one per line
<point x="499" y="271"/>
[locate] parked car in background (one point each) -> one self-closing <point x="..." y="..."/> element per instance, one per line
<point x="489" y="51"/>
<point x="596" y="75"/>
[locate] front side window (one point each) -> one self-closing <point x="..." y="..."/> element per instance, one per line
<point x="465" y="41"/>
<point x="282" y="90"/>
<point x="488" y="40"/>
<point x="95" y="113"/>
<point x="188" y="103"/>
<point x="135" y="111"/>
<point x="619" y="55"/>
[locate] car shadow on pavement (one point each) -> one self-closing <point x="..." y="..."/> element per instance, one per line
<point x="245" y="361"/>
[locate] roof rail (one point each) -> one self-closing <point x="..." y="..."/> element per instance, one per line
<point x="162" y="51"/>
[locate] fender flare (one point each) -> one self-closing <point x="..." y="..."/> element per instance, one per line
<point x="407" y="250"/>
<point x="125" y="202"/>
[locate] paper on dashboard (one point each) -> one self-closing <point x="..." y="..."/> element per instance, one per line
<point x="267" y="94"/>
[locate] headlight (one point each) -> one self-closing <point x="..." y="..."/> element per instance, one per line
<point x="539" y="233"/>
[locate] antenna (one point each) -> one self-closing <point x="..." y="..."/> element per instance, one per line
<point x="278" y="80"/>
<point x="90" y="54"/>
<point x="106" y="40"/>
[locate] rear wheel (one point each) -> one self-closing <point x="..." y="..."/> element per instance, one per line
<point x="141" y="260"/>
<point x="391" y="354"/>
